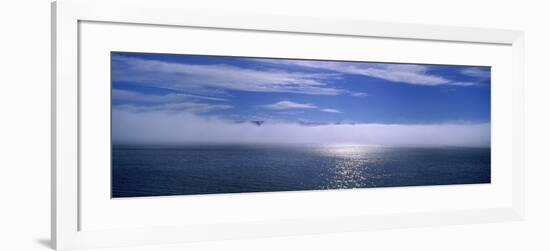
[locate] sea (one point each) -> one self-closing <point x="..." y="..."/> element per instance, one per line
<point x="157" y="170"/>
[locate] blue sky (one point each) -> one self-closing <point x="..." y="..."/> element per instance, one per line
<point x="244" y="89"/>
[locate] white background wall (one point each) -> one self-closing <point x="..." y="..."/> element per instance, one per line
<point x="25" y="125"/>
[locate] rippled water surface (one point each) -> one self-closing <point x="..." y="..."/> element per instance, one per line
<point x="211" y="169"/>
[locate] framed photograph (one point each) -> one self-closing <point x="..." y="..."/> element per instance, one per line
<point x="173" y="125"/>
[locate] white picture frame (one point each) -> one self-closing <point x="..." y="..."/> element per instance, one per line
<point x="67" y="15"/>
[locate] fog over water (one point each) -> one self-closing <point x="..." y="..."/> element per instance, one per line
<point x="159" y="127"/>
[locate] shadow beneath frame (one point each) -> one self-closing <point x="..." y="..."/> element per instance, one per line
<point x="45" y="242"/>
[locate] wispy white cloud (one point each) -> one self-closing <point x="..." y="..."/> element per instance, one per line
<point x="172" y="102"/>
<point x="400" y="73"/>
<point x="289" y="105"/>
<point x="196" y="78"/>
<point x="463" y="83"/>
<point x="330" y="110"/>
<point x="173" y="107"/>
<point x="359" y="94"/>
<point x="132" y="96"/>
<point x="477" y="72"/>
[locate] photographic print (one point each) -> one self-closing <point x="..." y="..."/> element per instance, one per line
<point x="198" y="124"/>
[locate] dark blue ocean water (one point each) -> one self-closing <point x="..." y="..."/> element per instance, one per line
<point x="210" y="169"/>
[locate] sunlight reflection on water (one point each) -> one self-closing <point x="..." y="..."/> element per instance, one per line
<point x="351" y="164"/>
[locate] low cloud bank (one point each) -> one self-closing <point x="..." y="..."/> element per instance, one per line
<point x="187" y="128"/>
